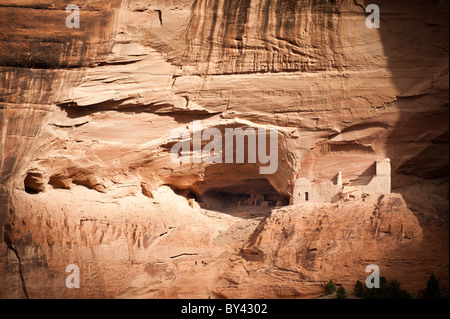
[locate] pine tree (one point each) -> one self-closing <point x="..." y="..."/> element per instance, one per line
<point x="341" y="293"/>
<point x="330" y="287"/>
<point x="432" y="291"/>
<point x="359" y="289"/>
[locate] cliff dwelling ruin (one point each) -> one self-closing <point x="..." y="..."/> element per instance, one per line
<point x="244" y="194"/>
<point x="260" y="193"/>
<point x="320" y="191"/>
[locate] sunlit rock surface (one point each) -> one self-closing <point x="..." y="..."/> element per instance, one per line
<point x="86" y="120"/>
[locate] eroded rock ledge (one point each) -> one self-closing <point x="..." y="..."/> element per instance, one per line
<point x="162" y="248"/>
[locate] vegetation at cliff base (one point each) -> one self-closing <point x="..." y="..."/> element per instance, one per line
<point x="432" y="290"/>
<point x="330" y="287"/>
<point x="388" y="290"/>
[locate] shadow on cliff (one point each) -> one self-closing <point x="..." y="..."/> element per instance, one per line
<point x="414" y="36"/>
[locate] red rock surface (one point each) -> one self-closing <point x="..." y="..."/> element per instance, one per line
<point x="86" y="116"/>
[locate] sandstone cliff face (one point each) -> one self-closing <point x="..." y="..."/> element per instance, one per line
<point x="86" y="120"/>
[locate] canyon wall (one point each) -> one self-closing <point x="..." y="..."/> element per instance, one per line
<point x="86" y="122"/>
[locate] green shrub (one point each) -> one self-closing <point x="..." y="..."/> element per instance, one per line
<point x="330" y="287"/>
<point x="341" y="293"/>
<point x="359" y="289"/>
<point x="392" y="291"/>
<point x="432" y="291"/>
<point x="388" y="290"/>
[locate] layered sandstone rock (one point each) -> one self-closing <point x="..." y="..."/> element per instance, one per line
<point x="86" y="122"/>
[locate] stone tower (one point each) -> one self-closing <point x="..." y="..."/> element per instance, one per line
<point x="383" y="176"/>
<point x="339" y="179"/>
